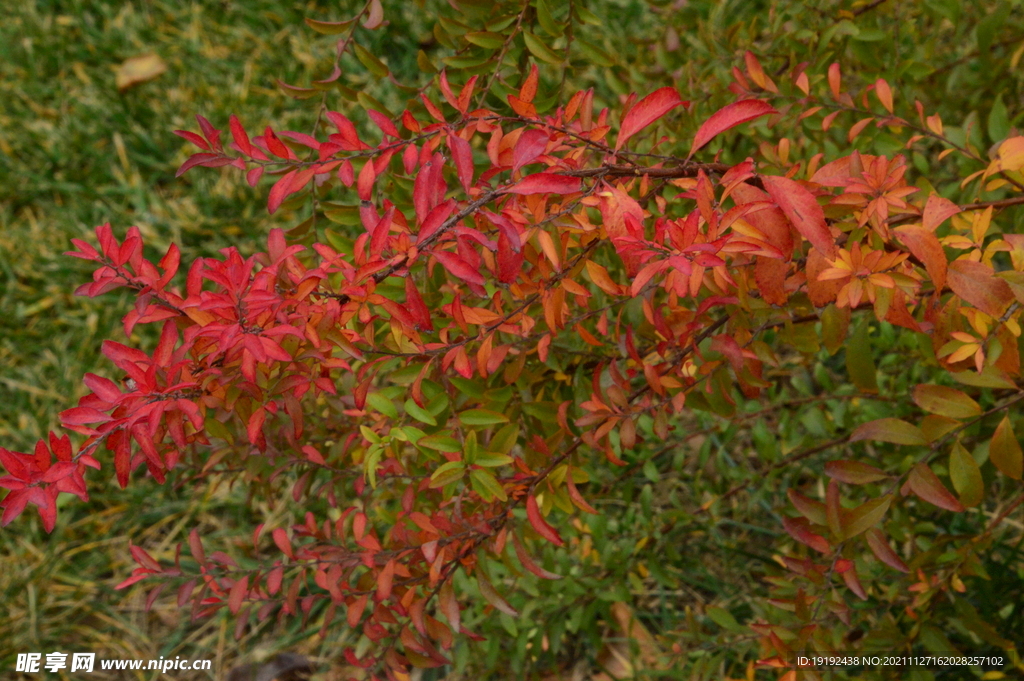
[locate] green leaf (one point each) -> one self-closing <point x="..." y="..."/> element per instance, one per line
<point x="889" y="430"/>
<point x="447" y="473"/>
<point x="594" y="54"/>
<point x="382" y="404"/>
<point x="329" y="27"/>
<point x="864" y="516"/>
<point x="860" y="365"/>
<point x="966" y="476"/>
<point x="492" y="459"/>
<point x="482" y="417"/>
<point x="374" y="65"/>
<point x="539" y="50"/>
<point x="505" y="439"/>
<point x="486" y="485"/>
<point x="370" y="462"/>
<point x="585" y="15"/>
<point x="468" y="387"/>
<point x="938" y="399"/>
<point x="419" y="413"/>
<point x="989" y="378"/>
<point x="486" y="39"/>
<point x="835" y="322"/>
<point x="440" y="443"/>
<point x="998" y="121"/>
<point x="724" y="619"/>
<point x="1005" y="452"/>
<point x="547" y="20"/>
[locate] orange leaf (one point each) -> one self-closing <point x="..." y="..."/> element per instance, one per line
<point x="542" y="528"/>
<point x="803" y="211"/>
<point x="449" y="605"/>
<point x="728" y="117"/>
<point x="884" y="93"/>
<point x="575" y="496"/>
<point x="926" y="485"/>
<point x="936" y="210"/>
<point x="646" y="111"/>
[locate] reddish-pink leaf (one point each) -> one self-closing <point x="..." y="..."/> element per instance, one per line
<point x="239" y="135"/>
<point x="195" y="160"/>
<point x="385" y="580"/>
<point x="449" y="605"/>
<point x="576" y="497"/>
<point x="728" y="117"/>
<point x="977" y="284"/>
<point x="798" y="529"/>
<point x="131" y="580"/>
<point x="646" y="111"/>
<point x="462" y="153"/>
<point x="926" y="485"/>
<point x="279" y="192"/>
<point x="493" y="597"/>
<point x="937" y="210"/>
<point x="853" y="472"/>
<point x="529" y="146"/>
<point x="238" y="591"/>
<point x="803" y="211"/>
<point x="528" y="562"/>
<point x="539" y="524"/>
<point x="280" y="537"/>
<point x="546" y="183"/>
<point x="459" y="267"/>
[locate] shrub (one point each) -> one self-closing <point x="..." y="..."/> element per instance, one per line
<point x="506" y="302"/>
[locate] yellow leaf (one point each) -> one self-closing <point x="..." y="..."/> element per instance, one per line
<point x="138" y="69"/>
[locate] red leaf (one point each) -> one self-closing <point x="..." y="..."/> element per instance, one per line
<point x="383" y="122"/>
<point x="542" y="528"/>
<point x="546" y="183"/>
<point x="770" y="275"/>
<point x="728" y="117"/>
<point x="646" y="111"/>
<point x="82" y="415"/>
<point x="803" y="212"/>
<point x="279" y="192"/>
<point x="254" y="428"/>
<point x="977" y="284"/>
<point x="458" y="267"/>
<point x="131" y="580"/>
<point x="925" y="484"/>
<point x="926" y="247"/>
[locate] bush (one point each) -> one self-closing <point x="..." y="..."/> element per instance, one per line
<point x="524" y="341"/>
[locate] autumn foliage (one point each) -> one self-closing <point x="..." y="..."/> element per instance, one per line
<point x="490" y="300"/>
